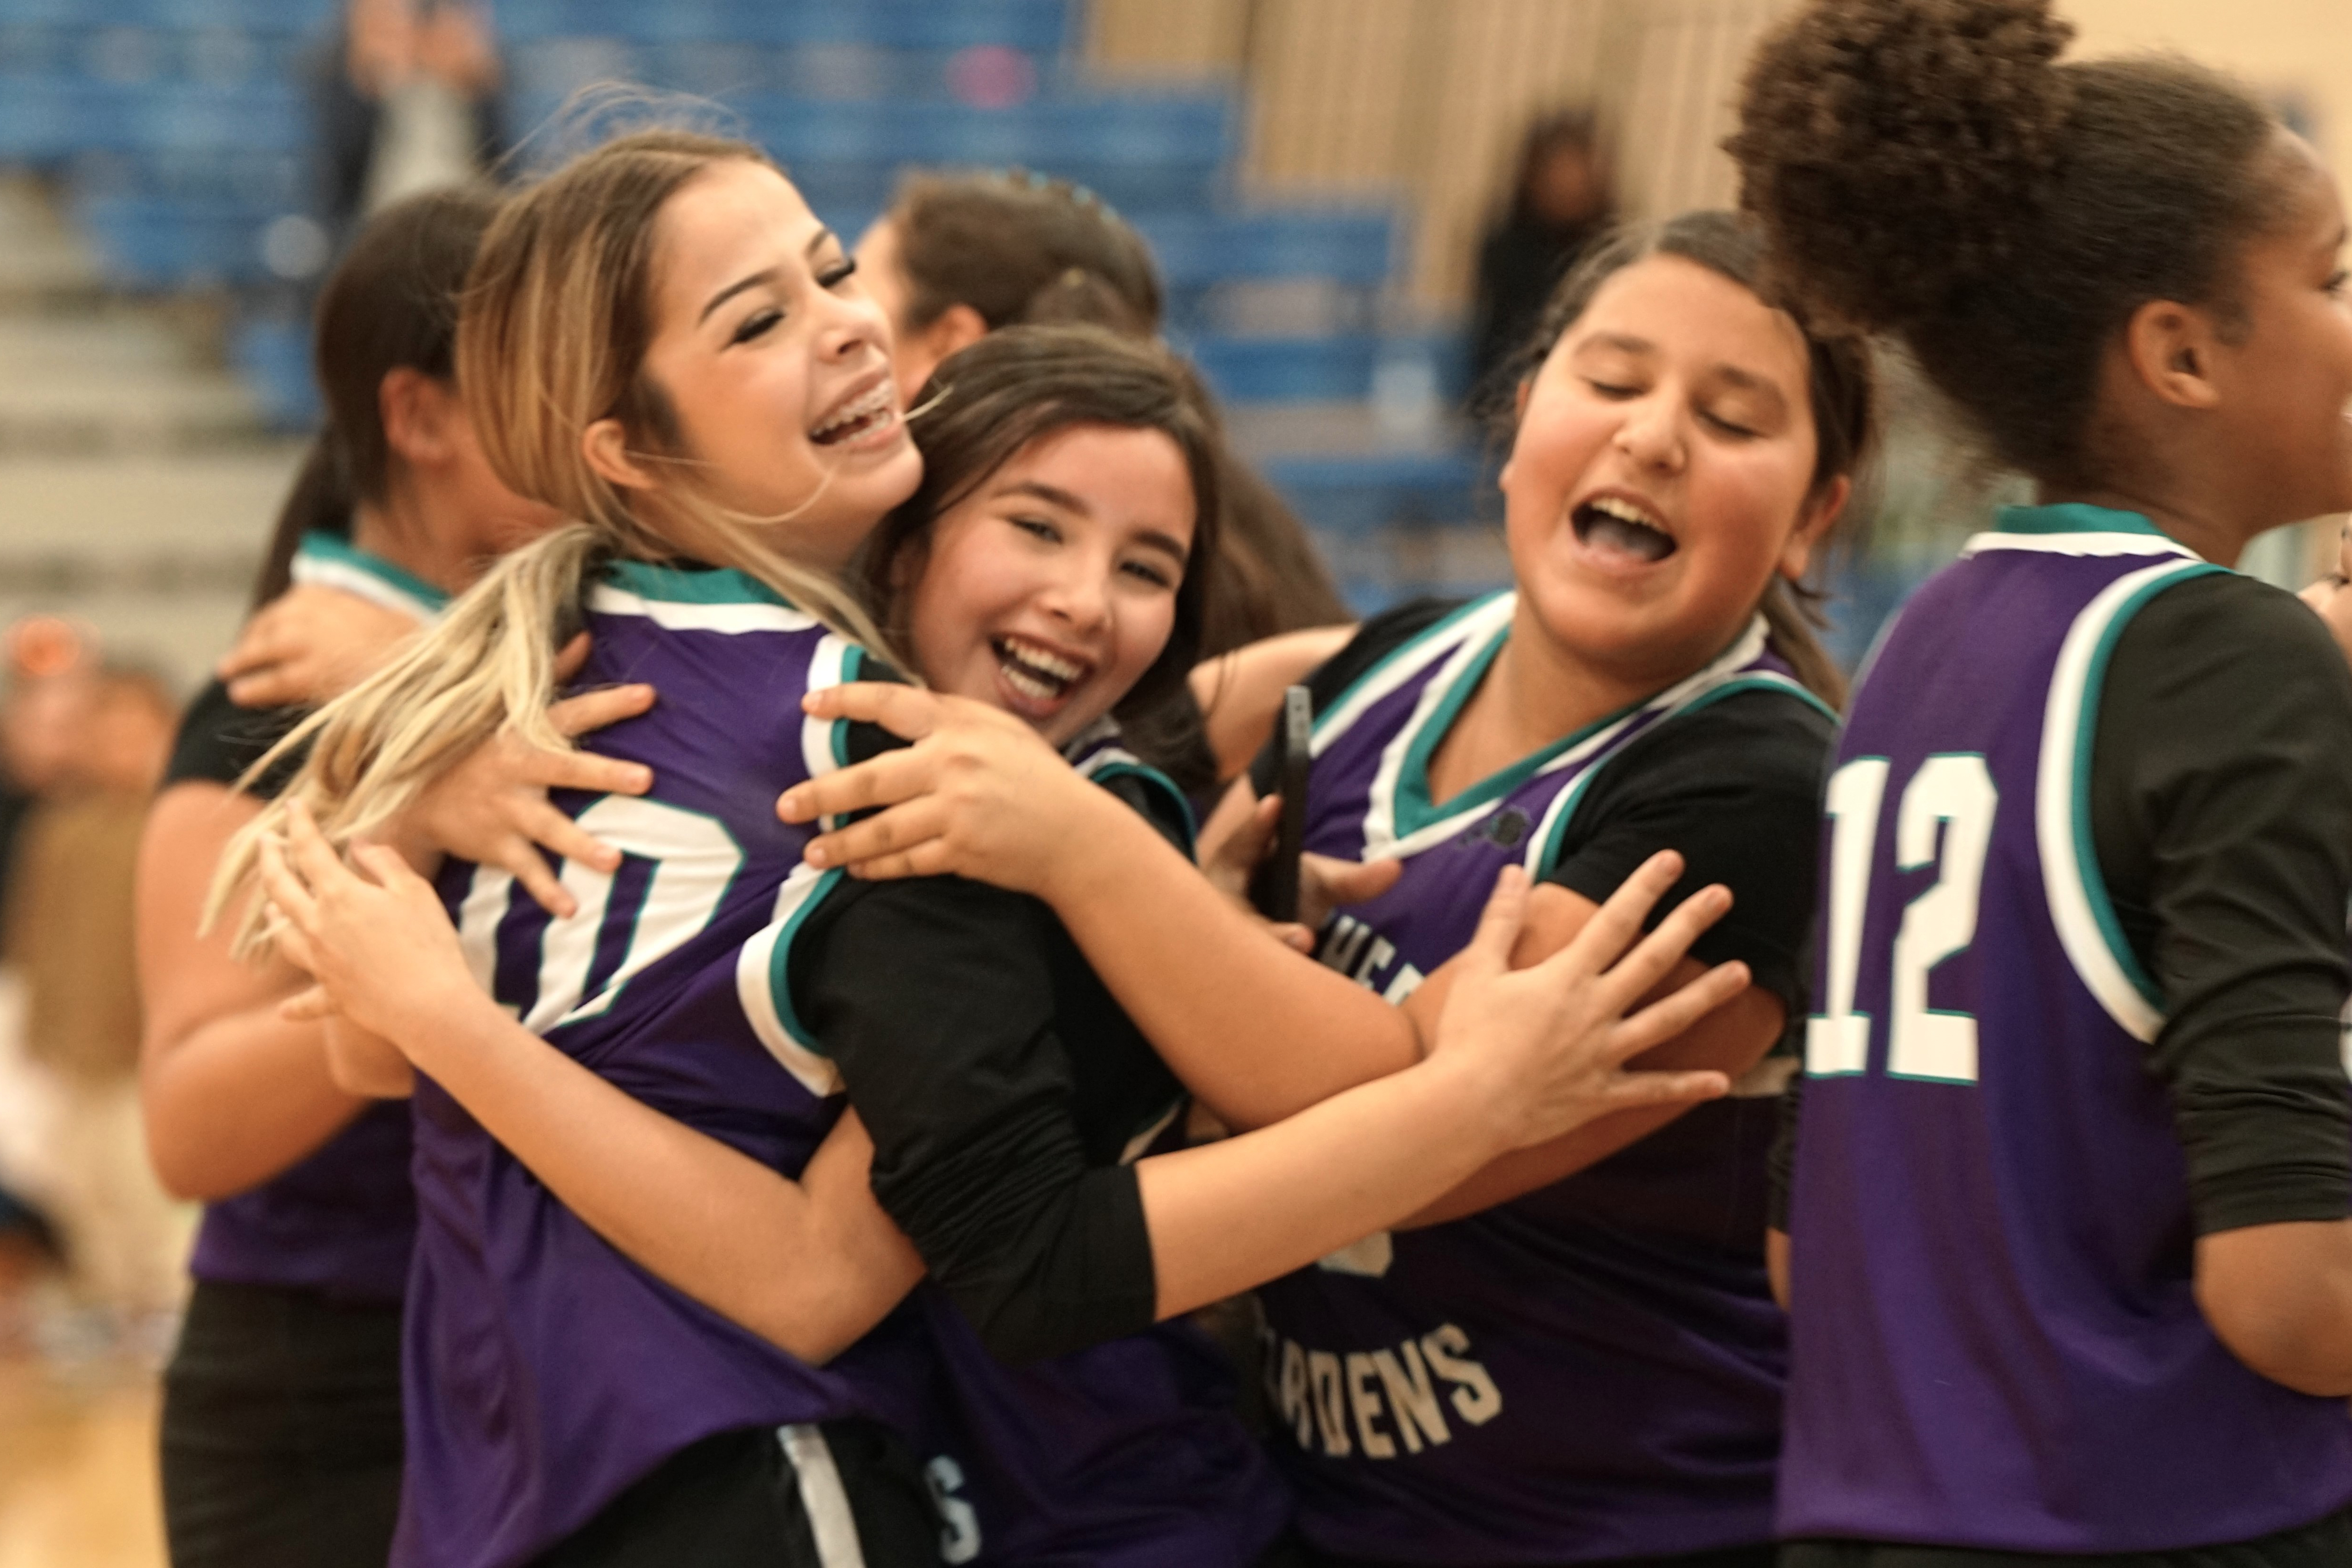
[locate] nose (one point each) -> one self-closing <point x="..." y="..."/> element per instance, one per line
<point x="852" y="324"/>
<point x="1652" y="433"/>
<point x="1077" y="596"/>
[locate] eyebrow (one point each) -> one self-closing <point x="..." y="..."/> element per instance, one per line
<point x="1053" y="495"/>
<point x="765" y="274"/>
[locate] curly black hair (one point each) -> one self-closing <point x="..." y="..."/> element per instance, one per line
<point x="1928" y="168"/>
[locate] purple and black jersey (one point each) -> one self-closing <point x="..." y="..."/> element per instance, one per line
<point x="1592" y="1371"/>
<point x="545" y="1371"/>
<point x="1995" y="1341"/>
<point x="340" y="1222"/>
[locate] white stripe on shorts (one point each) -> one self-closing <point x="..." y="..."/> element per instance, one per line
<point x="822" y="1496"/>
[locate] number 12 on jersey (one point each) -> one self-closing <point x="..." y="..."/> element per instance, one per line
<point x="1944" y="819"/>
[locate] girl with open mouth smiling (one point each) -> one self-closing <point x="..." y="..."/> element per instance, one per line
<point x="687" y="1019"/>
<point x="1574" y="1358"/>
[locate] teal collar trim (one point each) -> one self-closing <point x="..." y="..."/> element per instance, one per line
<point x="2074" y="517"/>
<point x="334" y="562"/>
<point x="692" y="584"/>
<point x="1415" y="808"/>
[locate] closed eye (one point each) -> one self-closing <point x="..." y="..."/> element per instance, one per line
<point x="1037" y="528"/>
<point x="1613" y="391"/>
<point x="1736" y="431"/>
<point x="2335" y="284"/>
<point x="841" y="272"/>
<point x="1157" y="576"/>
<point x="756" y="325"/>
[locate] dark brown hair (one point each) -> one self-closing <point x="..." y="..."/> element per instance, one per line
<point x="1015" y="387"/>
<point x="1840" y="381"/>
<point x="1928" y="168"/>
<point x="390" y="304"/>
<point x="1017" y="248"/>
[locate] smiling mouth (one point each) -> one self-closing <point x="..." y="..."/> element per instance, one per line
<point x="1619" y="527"/>
<point x="1037" y="673"/>
<point x="856" y="417"/>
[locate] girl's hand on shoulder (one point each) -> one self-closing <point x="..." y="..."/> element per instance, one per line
<point x="1547" y="1045"/>
<point x="310" y="643"/>
<point x="492" y="807"/>
<point x="978" y="794"/>
<point x="380" y="946"/>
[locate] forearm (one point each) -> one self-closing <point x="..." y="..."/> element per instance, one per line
<point x="809" y="1270"/>
<point x="1353" y="1165"/>
<point x="1255" y="1030"/>
<point x="237" y="1100"/>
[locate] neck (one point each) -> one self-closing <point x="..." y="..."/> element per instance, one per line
<point x="1535" y="693"/>
<point x="2208" y="528"/>
<point x="395" y="530"/>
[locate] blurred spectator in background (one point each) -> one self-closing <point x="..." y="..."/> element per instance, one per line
<point x="1559" y="203"/>
<point x="67" y="934"/>
<point x="408" y="101"/>
<point x="959" y="255"/>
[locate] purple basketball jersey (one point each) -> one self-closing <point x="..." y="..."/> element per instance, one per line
<point x="1592" y="1371"/>
<point x="341" y="1221"/>
<point x="1994" y="1340"/>
<point x="544" y="1371"/>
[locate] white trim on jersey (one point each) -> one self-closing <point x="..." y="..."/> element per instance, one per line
<point x="1473" y="623"/>
<point x="679" y="616"/>
<point x="479" y="914"/>
<point x="824" y="1498"/>
<point x="759" y="986"/>
<point x="1723" y="672"/>
<point x="828" y="667"/>
<point x="2077" y="545"/>
<point x="1150" y="1135"/>
<point x="344" y="577"/>
<point x="2058" y="785"/>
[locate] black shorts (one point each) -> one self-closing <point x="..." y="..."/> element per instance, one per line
<point x="281" y="1437"/>
<point x="845" y="1494"/>
<point x="2324" y="1545"/>
<point x="1757" y="1556"/>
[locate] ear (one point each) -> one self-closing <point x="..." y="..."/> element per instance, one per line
<point x="415" y="411"/>
<point x="1813" y="525"/>
<point x="2172" y="349"/>
<point x="958" y="328"/>
<point x="606" y="445"/>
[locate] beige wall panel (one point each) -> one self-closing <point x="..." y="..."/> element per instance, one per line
<point x="2303" y="46"/>
<point x="1167" y="39"/>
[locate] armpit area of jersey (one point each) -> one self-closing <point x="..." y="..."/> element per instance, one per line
<point x="2222" y="811"/>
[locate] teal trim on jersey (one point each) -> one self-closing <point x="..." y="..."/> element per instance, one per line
<point x="780" y="978"/>
<point x="2087" y="858"/>
<point x="1434" y="631"/>
<point x="1414" y="810"/>
<point x="2072" y="517"/>
<point x="853" y="663"/>
<point x="692" y="585"/>
<point x="1766" y="681"/>
<point x="1182" y="815"/>
<point x="319" y="545"/>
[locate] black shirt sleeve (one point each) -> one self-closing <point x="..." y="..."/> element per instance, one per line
<point x="1735" y="787"/>
<point x="2221" y="813"/>
<point x="934" y="997"/>
<point x="218" y="741"/>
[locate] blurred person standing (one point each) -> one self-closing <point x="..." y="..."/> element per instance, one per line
<point x="68" y="933"/>
<point x="1559" y="203"/>
<point x="408" y="100"/>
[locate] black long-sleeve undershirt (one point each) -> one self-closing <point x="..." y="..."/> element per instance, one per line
<point x="2221" y="816"/>
<point x="1002" y="1086"/>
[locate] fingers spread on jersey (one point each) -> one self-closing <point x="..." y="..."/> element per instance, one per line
<point x="909" y="712"/>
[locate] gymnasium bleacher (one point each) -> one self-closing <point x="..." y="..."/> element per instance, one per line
<point x="175" y="131"/>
